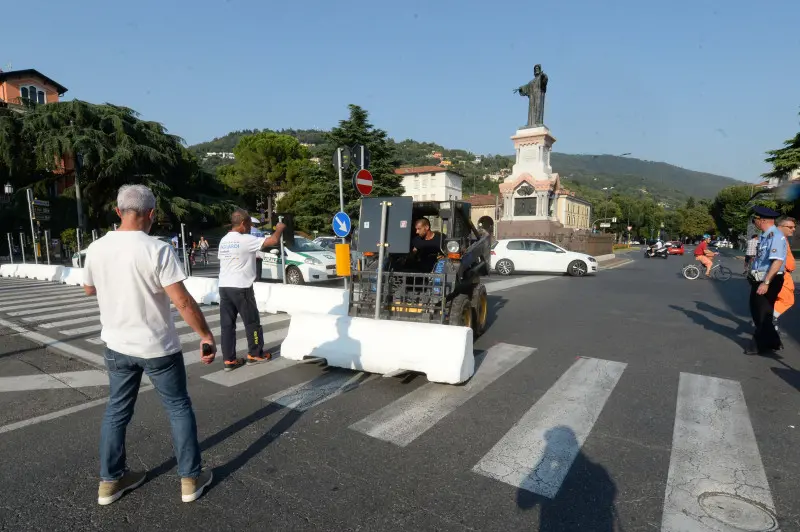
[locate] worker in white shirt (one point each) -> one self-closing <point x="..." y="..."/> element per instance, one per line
<point x="237" y="272"/>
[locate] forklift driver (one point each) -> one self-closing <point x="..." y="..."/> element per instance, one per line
<point x="426" y="245"/>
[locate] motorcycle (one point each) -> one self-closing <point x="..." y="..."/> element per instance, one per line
<point x="651" y="252"/>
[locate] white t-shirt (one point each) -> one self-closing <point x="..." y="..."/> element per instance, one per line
<point x="130" y="269"/>
<point x="237" y="259"/>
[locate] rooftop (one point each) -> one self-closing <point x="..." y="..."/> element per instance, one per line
<point x="423" y="170"/>
<point x="31" y="72"/>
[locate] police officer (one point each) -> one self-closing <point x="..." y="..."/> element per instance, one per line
<point x="766" y="280"/>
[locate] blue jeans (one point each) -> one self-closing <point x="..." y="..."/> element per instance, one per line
<point x="168" y="375"/>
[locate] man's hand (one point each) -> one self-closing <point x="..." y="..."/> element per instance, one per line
<point x="208" y="359"/>
<point x="762" y="289"/>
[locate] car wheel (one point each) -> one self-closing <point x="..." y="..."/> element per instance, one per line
<point x="577" y="268"/>
<point x="294" y="275"/>
<point x="504" y="267"/>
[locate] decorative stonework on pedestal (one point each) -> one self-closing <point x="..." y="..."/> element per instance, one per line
<point x="529" y="192"/>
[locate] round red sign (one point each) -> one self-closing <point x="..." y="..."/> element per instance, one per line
<point x="363" y="182"/>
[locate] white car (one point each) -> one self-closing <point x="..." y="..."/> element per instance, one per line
<point x="306" y="262"/>
<point x="529" y="255"/>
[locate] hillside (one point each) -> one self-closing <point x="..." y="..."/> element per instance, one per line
<point x="667" y="183"/>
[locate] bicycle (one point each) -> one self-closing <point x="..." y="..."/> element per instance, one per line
<point x="718" y="271"/>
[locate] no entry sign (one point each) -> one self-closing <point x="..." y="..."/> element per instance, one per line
<point x="362" y="180"/>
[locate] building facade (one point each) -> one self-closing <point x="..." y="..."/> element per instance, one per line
<point x="431" y="183"/>
<point x="573" y="212"/>
<point x="21" y="89"/>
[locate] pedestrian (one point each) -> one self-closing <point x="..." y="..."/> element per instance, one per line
<point x="204" y="250"/>
<point x="750" y="254"/>
<point x="135" y="276"/>
<point x="766" y="281"/>
<point x="785" y="301"/>
<point x="237" y="272"/>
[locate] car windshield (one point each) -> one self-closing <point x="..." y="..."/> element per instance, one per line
<point x="304" y="244"/>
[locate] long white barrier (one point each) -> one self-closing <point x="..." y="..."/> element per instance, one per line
<point x="45" y="272"/>
<point x="299" y="298"/>
<point x="204" y="290"/>
<point x="8" y="270"/>
<point x="72" y="276"/>
<point x="442" y="352"/>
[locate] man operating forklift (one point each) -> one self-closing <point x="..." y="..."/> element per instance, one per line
<point x="426" y="246"/>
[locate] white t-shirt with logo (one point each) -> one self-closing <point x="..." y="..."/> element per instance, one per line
<point x="237" y="259"/>
<point x="130" y="269"/>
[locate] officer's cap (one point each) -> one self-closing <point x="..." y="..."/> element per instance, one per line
<point x="765" y="212"/>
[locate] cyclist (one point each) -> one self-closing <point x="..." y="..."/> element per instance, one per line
<point x="704" y="255"/>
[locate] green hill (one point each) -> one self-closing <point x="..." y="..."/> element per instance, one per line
<point x="666" y="183"/>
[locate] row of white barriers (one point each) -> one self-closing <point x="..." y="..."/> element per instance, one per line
<point x="320" y="327"/>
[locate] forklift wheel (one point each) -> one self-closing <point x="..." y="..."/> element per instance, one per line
<point x="461" y="311"/>
<point x="480" y="303"/>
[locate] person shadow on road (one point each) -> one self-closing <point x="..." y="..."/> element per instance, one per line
<point x="585" y="500"/>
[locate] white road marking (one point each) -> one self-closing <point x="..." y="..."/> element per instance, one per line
<point x="538" y="451"/>
<point x="498" y="286"/>
<point x="50" y="296"/>
<point x="615" y="266"/>
<point x="714" y="450"/>
<point x="39" y="292"/>
<point x="248" y="373"/>
<point x="72" y="321"/>
<point x="84" y="304"/>
<point x="46" y="341"/>
<point x="68" y="313"/>
<point x="318" y="390"/>
<point x="405" y="419"/>
<point x="44" y="381"/>
<point x="61" y="413"/>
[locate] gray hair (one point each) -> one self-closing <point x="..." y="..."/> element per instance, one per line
<point x="783" y="219"/>
<point x="136" y="198"/>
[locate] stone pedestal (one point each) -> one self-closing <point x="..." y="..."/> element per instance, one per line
<point x="529" y="193"/>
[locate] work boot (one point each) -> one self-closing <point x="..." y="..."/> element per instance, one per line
<point x="192" y="488"/>
<point x="109" y="492"/>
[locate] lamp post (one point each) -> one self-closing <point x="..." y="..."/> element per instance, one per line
<point x="605" y="207"/>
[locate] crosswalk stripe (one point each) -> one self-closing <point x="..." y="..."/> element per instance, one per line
<point x="48" y="302"/>
<point x="66" y="314"/>
<point x="715" y="461"/>
<point x="44" y="381"/>
<point x="50" y="293"/>
<point x="499" y="286"/>
<point x="17" y="285"/>
<point x="316" y="391"/>
<point x="73" y="321"/>
<point x="28" y="312"/>
<point x="211" y="317"/>
<point x="405" y="419"/>
<point x="538" y="451"/>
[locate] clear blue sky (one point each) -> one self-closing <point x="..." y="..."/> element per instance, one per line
<point x="706" y="88"/>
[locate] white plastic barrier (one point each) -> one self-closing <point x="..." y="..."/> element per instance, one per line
<point x="204" y="290"/>
<point x="442" y="352"/>
<point x="299" y="298"/>
<point x="8" y="270"/>
<point x="24" y="271"/>
<point x="72" y="276"/>
<point x="45" y="272"/>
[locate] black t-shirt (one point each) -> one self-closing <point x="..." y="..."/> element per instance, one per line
<point x="427" y="250"/>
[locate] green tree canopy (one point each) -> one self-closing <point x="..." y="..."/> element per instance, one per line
<point x="697" y="221"/>
<point x="314" y="197"/>
<point x="266" y="162"/>
<point x="114" y="147"/>
<point x="785" y="160"/>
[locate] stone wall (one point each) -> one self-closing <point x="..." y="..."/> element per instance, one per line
<point x="570" y="239"/>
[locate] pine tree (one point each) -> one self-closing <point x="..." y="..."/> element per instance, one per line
<point x="314" y="198"/>
<point x="785" y="160"/>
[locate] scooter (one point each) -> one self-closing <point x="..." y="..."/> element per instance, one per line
<point x="651" y="252"/>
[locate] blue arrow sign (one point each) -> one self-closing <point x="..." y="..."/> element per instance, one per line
<point x="341" y="224"/>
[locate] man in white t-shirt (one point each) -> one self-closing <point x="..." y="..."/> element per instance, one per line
<point x="135" y="276"/>
<point x="237" y="273"/>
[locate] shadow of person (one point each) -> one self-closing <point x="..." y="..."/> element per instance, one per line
<point x="743" y="325"/>
<point x="734" y="335"/>
<point x="294" y="401"/>
<point x="584" y="501"/>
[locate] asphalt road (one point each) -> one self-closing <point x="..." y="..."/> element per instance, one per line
<point x="625" y="402"/>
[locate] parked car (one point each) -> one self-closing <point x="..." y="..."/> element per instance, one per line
<point x="675" y="248"/>
<point x="531" y="255"/>
<point x="306" y="262"/>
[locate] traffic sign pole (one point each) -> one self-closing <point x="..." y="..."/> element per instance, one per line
<point x="33" y="230"/>
<point x="283" y="254"/>
<point x="341" y="192"/>
<point x="22" y="246"/>
<point x="10" y="248"/>
<point x="47" y="244"/>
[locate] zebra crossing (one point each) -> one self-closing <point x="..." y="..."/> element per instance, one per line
<point x="715" y="468"/>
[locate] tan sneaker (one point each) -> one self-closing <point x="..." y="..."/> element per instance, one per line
<point x="109" y="492"/>
<point x="192" y="488"/>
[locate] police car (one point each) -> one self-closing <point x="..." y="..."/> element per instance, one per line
<point x="306" y="262"/>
